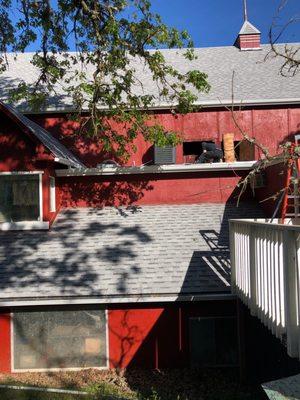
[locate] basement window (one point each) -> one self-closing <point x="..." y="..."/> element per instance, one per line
<point x="20" y="197"/>
<point x="59" y="339"/>
<point x="213" y="342"/>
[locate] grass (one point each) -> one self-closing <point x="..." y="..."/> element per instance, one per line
<point x="135" y="385"/>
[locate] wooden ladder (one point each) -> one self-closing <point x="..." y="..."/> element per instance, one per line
<point x="291" y="199"/>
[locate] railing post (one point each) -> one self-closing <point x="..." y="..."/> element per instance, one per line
<point x="253" y="267"/>
<point x="291" y="292"/>
<point x="232" y="256"/>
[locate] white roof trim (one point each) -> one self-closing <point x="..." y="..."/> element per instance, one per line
<point x="247" y="25"/>
<point x="21" y="172"/>
<point x="218" y="103"/>
<point x="64" y="161"/>
<point x="157" y="169"/>
<point x="164" y="298"/>
<point x="24" y="226"/>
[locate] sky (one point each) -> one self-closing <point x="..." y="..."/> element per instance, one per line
<point x="217" y="22"/>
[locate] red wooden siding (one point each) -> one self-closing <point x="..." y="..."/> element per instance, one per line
<point x="246" y="42"/>
<point x="212" y="187"/>
<point x="5" y="353"/>
<point x="145" y="335"/>
<point x="269" y="125"/>
<point x="275" y="177"/>
<point x="128" y="331"/>
<point x="18" y="152"/>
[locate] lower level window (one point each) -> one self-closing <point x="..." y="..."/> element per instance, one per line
<point x="59" y="339"/>
<point x="213" y="342"/>
<point x="19" y="197"/>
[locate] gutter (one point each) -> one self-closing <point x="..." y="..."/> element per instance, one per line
<point x="98" y="300"/>
<point x="156" y="169"/>
<point x="205" y="104"/>
<point x="66" y="162"/>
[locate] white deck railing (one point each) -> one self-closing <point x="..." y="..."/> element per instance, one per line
<point x="265" y="260"/>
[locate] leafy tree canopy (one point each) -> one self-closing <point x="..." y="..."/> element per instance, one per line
<point x="107" y="35"/>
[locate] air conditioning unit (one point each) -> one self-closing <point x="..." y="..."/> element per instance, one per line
<point x="164" y="155"/>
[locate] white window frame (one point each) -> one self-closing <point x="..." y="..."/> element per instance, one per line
<point x="13" y="369"/>
<point x="27" y="225"/>
<point x="52" y="194"/>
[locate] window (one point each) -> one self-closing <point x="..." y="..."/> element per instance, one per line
<point x="59" y="339"/>
<point x="243" y="150"/>
<point x="192" y="150"/>
<point x="213" y="342"/>
<point x="20" y="197"/>
<point x="52" y="195"/>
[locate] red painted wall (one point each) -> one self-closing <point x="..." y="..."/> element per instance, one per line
<point x="18" y="152"/>
<point x="152" y="336"/>
<point x="269" y="196"/>
<point x="249" y="41"/>
<point x="5" y="353"/>
<point x="145" y="335"/>
<point x="270" y="126"/>
<point x="214" y="187"/>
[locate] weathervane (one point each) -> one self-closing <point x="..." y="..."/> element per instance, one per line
<point x="245" y="11"/>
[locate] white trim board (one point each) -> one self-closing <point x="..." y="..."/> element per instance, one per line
<point x="158" y="169"/>
<point x="21" y="173"/>
<point x="135" y="299"/>
<point x="216" y="103"/>
<point x="24" y="226"/>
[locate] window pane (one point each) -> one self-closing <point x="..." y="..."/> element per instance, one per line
<point x="60" y="339"/>
<point x="19" y="198"/>
<point x="213" y="341"/>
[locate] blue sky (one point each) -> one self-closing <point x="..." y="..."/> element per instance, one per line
<point x="217" y="22"/>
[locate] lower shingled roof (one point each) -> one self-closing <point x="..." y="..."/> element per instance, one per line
<point x="113" y="255"/>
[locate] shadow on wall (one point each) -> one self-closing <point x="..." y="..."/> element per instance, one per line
<point x="100" y="193"/>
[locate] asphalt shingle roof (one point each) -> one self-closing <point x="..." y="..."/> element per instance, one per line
<point x="250" y="67"/>
<point x="155" y="251"/>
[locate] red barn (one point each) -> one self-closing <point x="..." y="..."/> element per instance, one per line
<point x="121" y="266"/>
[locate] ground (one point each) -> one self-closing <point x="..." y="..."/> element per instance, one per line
<point x="136" y="385"/>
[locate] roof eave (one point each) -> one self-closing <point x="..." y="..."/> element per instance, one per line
<point x="148" y="298"/>
<point x="68" y="163"/>
<point x="204" y="104"/>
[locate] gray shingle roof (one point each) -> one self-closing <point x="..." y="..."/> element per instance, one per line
<point x="248" y="29"/>
<point x="51" y="143"/>
<point x="218" y="62"/>
<point x="113" y="254"/>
